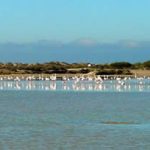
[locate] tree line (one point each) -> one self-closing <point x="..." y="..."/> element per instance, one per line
<point x="72" y="68"/>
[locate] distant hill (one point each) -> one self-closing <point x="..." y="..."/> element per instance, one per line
<point x="45" y="51"/>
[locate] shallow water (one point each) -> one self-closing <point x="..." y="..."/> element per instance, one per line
<point x="45" y="120"/>
<point x="106" y="86"/>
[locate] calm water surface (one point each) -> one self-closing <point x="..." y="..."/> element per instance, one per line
<point x="59" y="120"/>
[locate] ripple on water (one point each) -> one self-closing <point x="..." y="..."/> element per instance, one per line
<point x="38" y="120"/>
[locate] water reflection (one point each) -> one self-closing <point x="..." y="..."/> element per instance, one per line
<point x="108" y="85"/>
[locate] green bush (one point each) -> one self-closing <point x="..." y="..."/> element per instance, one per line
<point x="121" y="65"/>
<point x="113" y="72"/>
<point x="146" y="64"/>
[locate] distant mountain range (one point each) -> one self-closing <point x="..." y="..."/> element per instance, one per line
<point x="84" y="50"/>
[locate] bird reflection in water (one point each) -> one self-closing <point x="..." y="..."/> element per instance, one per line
<point x="76" y="84"/>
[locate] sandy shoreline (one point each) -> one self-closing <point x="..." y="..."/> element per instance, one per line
<point x="141" y="72"/>
<point x="138" y="73"/>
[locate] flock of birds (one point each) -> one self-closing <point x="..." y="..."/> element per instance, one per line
<point x="74" y="83"/>
<point x="97" y="79"/>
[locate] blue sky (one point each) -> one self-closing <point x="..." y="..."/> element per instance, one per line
<point x="78" y="30"/>
<point x="68" y="20"/>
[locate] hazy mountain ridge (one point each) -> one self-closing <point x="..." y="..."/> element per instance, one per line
<point x="83" y="50"/>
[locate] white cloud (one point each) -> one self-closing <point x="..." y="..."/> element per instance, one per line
<point x="130" y="44"/>
<point x="86" y="42"/>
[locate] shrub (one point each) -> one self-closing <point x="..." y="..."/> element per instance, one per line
<point x="121" y="65"/>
